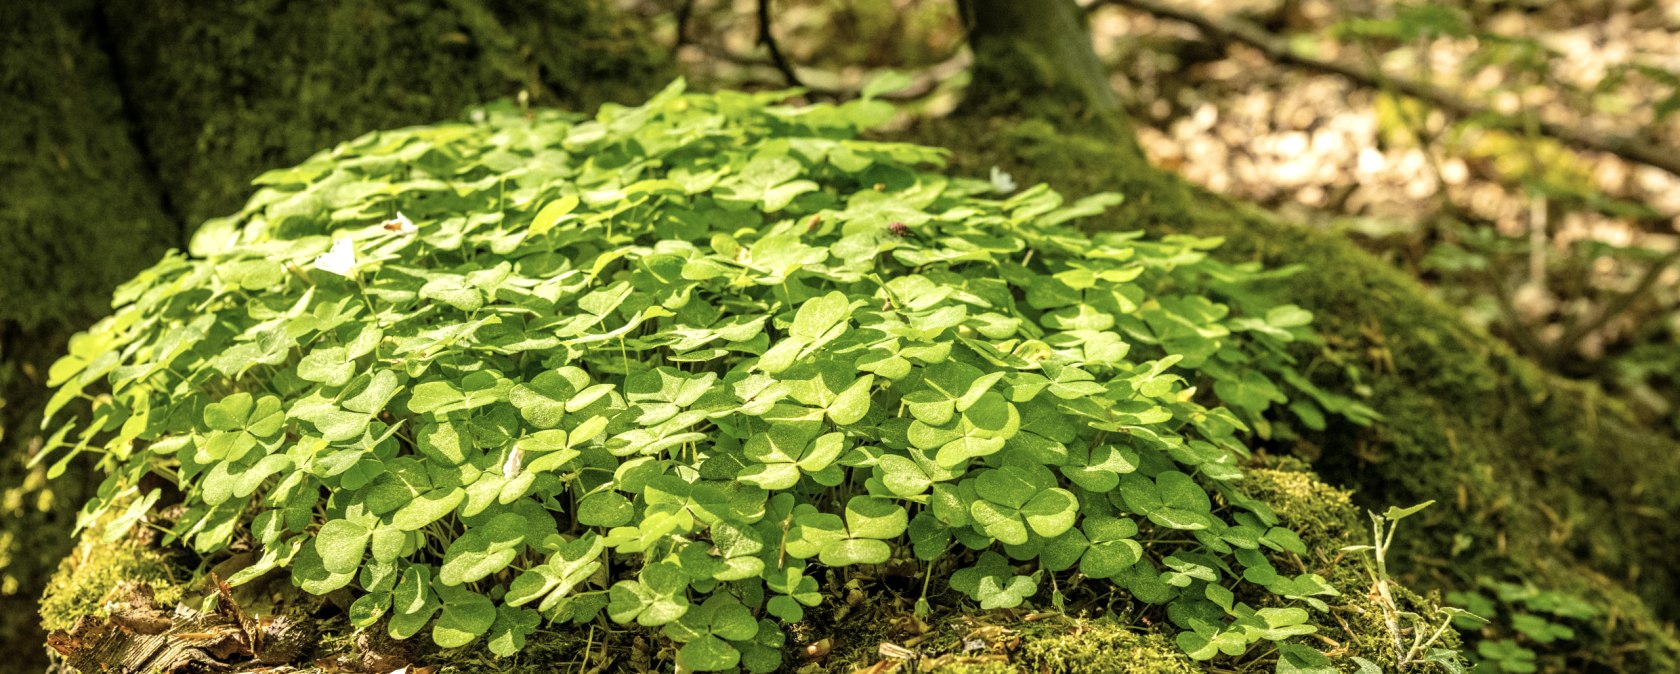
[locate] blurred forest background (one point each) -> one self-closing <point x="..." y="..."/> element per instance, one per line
<point x="1520" y="157"/>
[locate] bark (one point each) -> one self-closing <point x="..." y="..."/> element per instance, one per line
<point x="1033" y="49"/>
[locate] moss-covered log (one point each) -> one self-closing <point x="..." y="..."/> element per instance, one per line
<point x="851" y="633"/>
<point x="1539" y="479"/>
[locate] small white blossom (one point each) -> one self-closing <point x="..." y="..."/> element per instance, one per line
<point x="400" y="224"/>
<point x="340" y="260"/>
<point x="1002" y="181"/>
<point x="510" y="468"/>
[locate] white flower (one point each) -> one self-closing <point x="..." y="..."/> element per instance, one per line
<point x="510" y="467"/>
<point x="1002" y="181"/>
<point x="340" y="260"/>
<point x="400" y="224"/>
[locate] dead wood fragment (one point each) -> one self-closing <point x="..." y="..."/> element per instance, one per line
<point x="138" y="636"/>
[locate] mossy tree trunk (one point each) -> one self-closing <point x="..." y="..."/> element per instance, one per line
<point x="1034" y="49"/>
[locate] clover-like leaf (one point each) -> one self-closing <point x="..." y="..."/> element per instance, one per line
<point x="723" y="338"/>
<point x="707" y="654"/>
<point x="512" y="626"/>
<point x="993" y="583"/>
<point x="870" y="517"/>
<point x="342" y="544"/>
<point x="466" y="615"/>
<point x="413" y="602"/>
<point x="483" y="550"/>
<point x="655" y="598"/>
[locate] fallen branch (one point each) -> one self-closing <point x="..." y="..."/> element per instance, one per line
<point x="815" y="80"/>
<point x="1236" y="31"/>
<point x="1618" y="305"/>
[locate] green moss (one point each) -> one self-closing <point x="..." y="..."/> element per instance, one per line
<point x="1328" y="521"/>
<point x="87" y="578"/>
<point x="77" y="213"/>
<point x="228" y="94"/>
<point x="1321" y="514"/>
<point x="1103" y="646"/>
<point x="984" y="667"/>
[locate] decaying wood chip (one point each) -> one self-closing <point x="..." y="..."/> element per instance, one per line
<point x="951" y="659"/>
<point x="819" y="649"/>
<point x="380" y="652"/>
<point x="894" y="651"/>
<point x="140" y="637"/>
<point x="909" y="624"/>
<point x="882" y="667"/>
<point x="137" y="611"/>
<point x="284" y="639"/>
<point x="991" y="637"/>
<point x="193" y="642"/>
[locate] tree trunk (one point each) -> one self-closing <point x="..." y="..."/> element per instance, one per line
<point x="1027" y="50"/>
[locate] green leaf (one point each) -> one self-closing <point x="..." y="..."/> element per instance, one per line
<point x="903" y="476"/>
<point x="454" y="291"/>
<point x="993" y="583"/>
<point x="413" y="602"/>
<point x="1394" y="514"/>
<point x="605" y="509"/>
<point x="342" y="544"/>
<point x="542" y="401"/>
<point x="1296" y="659"/>
<point x="870" y="517"/>
<point x="707" y="654"/>
<point x="886" y="82"/>
<point x="853" y="403"/>
<point x="849" y="551"/>
<point x="328" y="365"/>
<point x="428" y="508"/>
<point x="551" y="213"/>
<point x="1051" y="512"/>
<point x="512" y="626"/>
<point x="816" y="317"/>
<point x="466" y="615"/>
<point x="482" y="550"/>
<point x="433" y="395"/>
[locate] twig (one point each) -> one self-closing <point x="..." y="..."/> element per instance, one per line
<point x="922" y="82"/>
<point x="1229" y="31"/>
<point x="684" y="12"/>
<point x="768" y="39"/>
<point x="1615" y="306"/>
<point x="1507" y="306"/>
